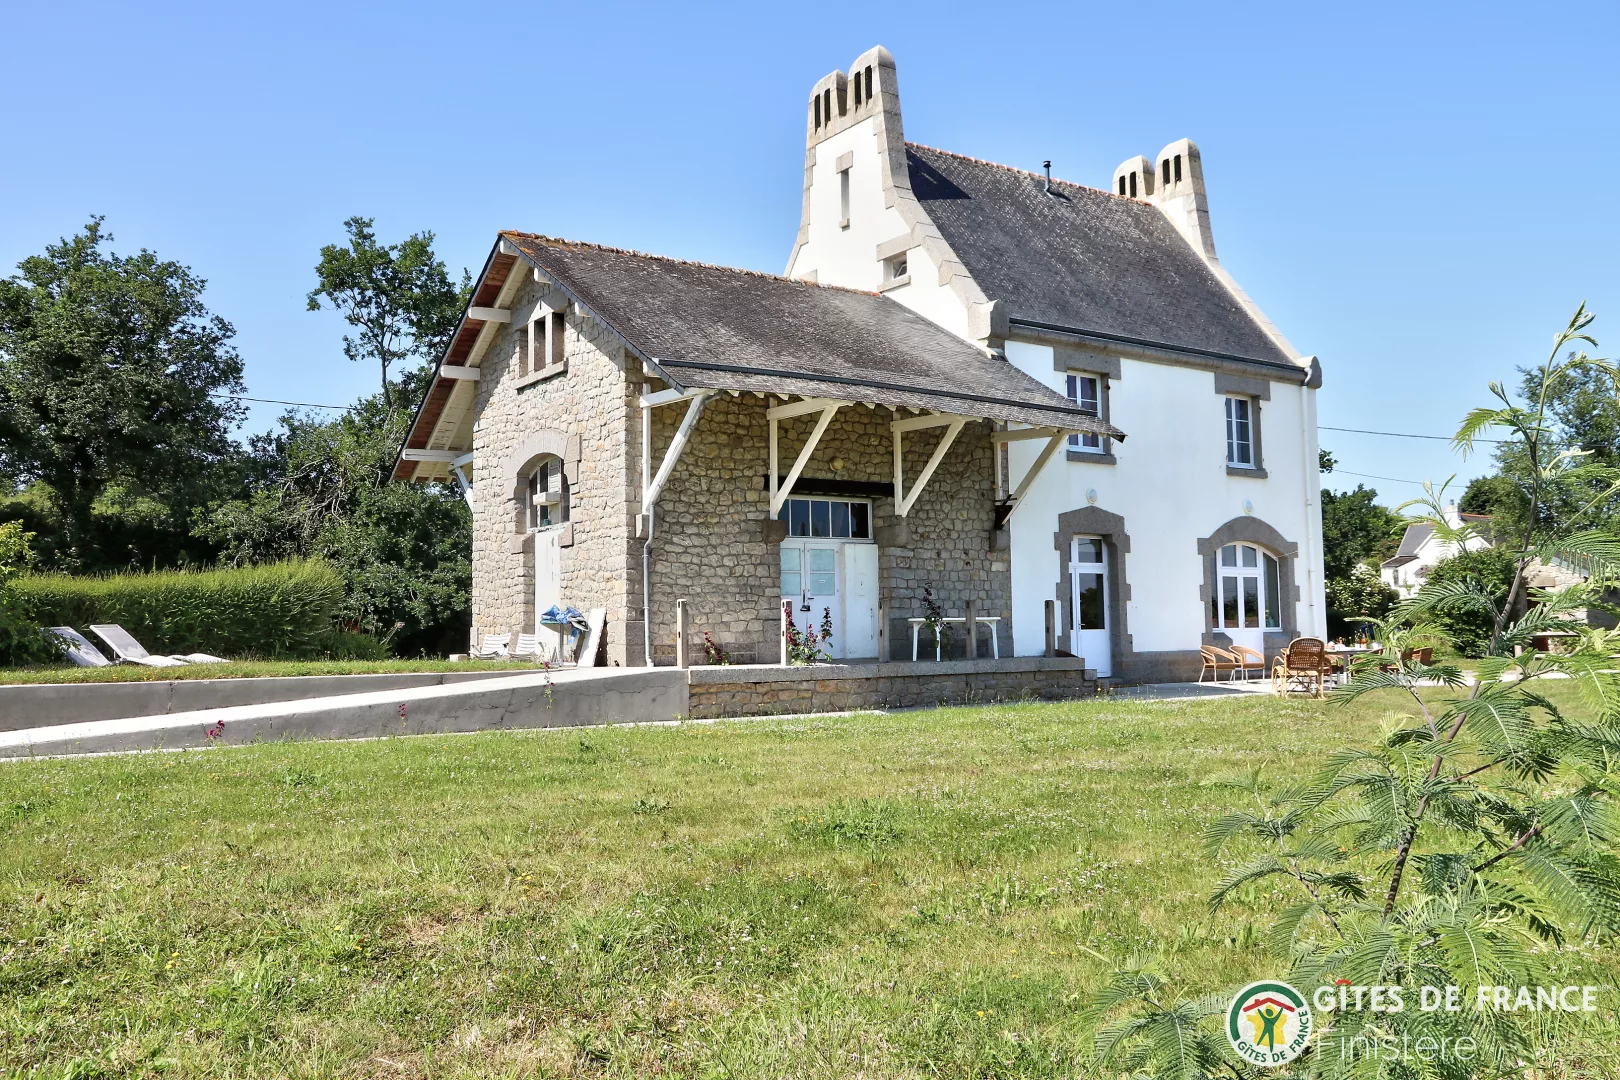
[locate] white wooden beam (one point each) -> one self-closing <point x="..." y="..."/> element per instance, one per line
<point x="779" y="496"/>
<point x="673" y="454"/>
<point x="666" y="397"/>
<point x="454" y="371"/>
<point x="926" y="420"/>
<point x="444" y="457"/>
<point x="1034" y="470"/>
<point x="489" y="314"/>
<point x="904" y="501"/>
<point x="1019" y="434"/>
<point x="799" y="408"/>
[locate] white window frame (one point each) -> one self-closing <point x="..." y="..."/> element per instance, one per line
<point x="1240" y="431"/>
<point x="785" y="516"/>
<point x="1266" y="566"/>
<point x="1086" y="443"/>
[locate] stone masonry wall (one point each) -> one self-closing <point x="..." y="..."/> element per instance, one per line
<point x="710" y="545"/>
<point x="742" y="691"/>
<point x="591" y="405"/>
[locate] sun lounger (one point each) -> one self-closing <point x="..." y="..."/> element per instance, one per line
<point x="130" y="651"/>
<point x="492" y="647"/>
<point x="527" y="648"/>
<point x="76" y="648"/>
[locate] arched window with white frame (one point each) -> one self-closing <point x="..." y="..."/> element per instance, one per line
<point x="1247" y="598"/>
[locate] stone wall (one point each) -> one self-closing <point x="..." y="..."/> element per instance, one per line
<point x="765" y="691"/>
<point x="711" y="546"/>
<point x="586" y="413"/>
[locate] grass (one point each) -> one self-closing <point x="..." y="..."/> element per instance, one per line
<point x="925" y="894"/>
<point x="247" y="669"/>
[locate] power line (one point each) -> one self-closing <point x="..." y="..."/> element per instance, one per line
<point x="1401" y="435"/>
<point x="1370" y="476"/>
<point x="278" y="401"/>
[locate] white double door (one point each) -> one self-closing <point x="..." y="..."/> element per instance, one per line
<point x="836" y="579"/>
<point x="1088" y="603"/>
<point x="1241" y="611"/>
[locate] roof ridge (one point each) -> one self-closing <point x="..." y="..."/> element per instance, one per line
<point x="1021" y="172"/>
<point x="555" y="241"/>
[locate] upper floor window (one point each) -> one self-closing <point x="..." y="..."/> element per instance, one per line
<point x="1240" y="432"/>
<point x="1086" y="392"/>
<point x="843" y="198"/>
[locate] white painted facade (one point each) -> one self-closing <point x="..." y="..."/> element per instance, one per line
<point x="1169" y="481"/>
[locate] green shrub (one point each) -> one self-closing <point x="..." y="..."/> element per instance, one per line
<point x="284" y="609"/>
<point x="351" y="645"/>
<point x="20" y="639"/>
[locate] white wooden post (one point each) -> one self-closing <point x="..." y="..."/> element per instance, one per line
<point x="883" y="633"/>
<point x="1051" y="628"/>
<point x="682" y="632"/>
<point x="787" y="614"/>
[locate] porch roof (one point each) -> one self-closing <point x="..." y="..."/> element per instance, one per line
<point x="718" y="328"/>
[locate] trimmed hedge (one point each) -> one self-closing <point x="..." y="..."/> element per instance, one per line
<point x="284" y="609"/>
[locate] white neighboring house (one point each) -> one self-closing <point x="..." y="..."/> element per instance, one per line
<point x="1204" y="526"/>
<point x="1421" y="550"/>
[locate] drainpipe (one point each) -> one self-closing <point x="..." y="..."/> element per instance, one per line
<point x="646" y="584"/>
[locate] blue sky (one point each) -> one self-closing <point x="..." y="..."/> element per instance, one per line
<point x="1419" y="194"/>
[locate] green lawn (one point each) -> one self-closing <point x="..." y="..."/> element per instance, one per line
<point x="248" y="669"/>
<point x="915" y="895"/>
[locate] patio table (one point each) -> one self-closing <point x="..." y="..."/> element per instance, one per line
<point x="1341" y="657"/>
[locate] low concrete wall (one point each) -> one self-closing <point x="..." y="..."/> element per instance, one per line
<point x="749" y="690"/>
<point x="42" y="704"/>
<point x="536" y="700"/>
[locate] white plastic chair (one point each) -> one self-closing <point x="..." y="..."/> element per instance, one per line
<point x="130" y="651"/>
<point x="492" y="647"/>
<point x="76" y="648"/>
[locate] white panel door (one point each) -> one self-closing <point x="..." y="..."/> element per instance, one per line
<point x="547" y="579"/>
<point x="860" y="600"/>
<point x="1088" y="603"/>
<point x="810" y="580"/>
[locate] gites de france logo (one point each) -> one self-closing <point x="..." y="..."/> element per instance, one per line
<point x="1268" y="1023"/>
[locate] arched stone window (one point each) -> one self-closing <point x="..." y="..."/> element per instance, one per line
<point x="546" y="493"/>
<point x="1250" y="593"/>
<point x="540" y="479"/>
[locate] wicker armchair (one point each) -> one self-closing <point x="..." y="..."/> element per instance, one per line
<point x="1304" y="665"/>
<point x="1216" y="661"/>
<point x="1249" y="660"/>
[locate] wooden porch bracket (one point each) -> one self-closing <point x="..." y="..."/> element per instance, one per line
<point x="1055" y="437"/>
<point x="694" y="409"/>
<point x="827" y="407"/>
<point x="904" y="500"/>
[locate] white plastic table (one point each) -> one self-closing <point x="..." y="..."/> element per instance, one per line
<point x="995" y="643"/>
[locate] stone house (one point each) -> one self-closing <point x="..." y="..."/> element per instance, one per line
<point x="623" y="415"/>
<point x="927" y="399"/>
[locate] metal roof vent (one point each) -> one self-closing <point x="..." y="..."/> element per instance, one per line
<point x="1048" y="166"/>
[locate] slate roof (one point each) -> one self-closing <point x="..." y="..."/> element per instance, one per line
<point x="1082" y="259"/>
<point x="715" y="327"/>
<point x="1412" y="539"/>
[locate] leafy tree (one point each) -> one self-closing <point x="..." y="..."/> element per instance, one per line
<point x="1356" y="529"/>
<point x="398" y="297"/>
<point x="1360" y="595"/>
<point x="114" y="380"/>
<point x="20" y="639"/>
<point x="1491" y="571"/>
<point x="323" y="490"/>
